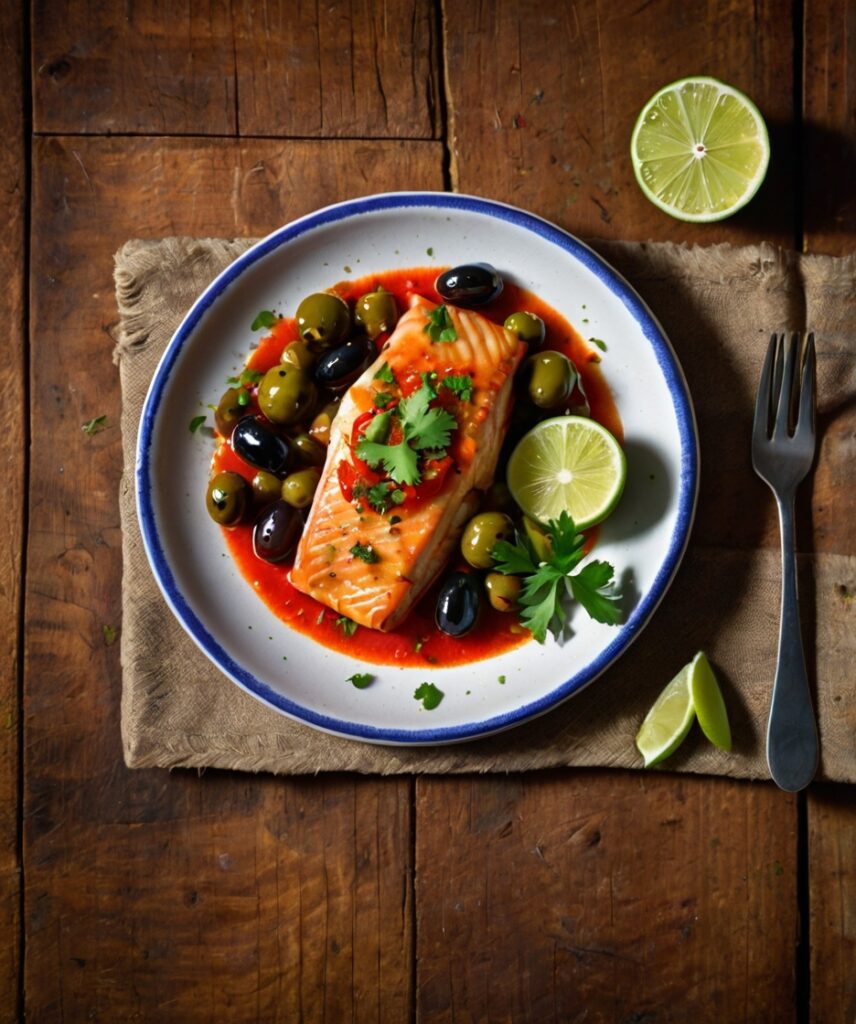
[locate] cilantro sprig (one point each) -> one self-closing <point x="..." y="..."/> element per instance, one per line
<point x="424" y="429"/>
<point x="546" y="583"/>
<point x="440" y="326"/>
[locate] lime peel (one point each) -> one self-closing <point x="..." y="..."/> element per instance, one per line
<point x="708" y="703"/>
<point x="700" y="149"/>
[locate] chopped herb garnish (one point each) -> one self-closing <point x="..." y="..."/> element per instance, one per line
<point x="378" y="496"/>
<point x="109" y="633"/>
<point x="264" y="319"/>
<point x="93" y="426"/>
<point x="600" y="344"/>
<point x="459" y="384"/>
<point x="430" y="250"/>
<point x="429" y="695"/>
<point x="501" y="680"/>
<point x="397" y="497"/>
<point x="360" y="679"/>
<point x="233" y="380"/>
<point x="347" y="626"/>
<point x="547" y="581"/>
<point x="429" y="379"/>
<point x="251" y="376"/>
<point x="196" y="423"/>
<point x="418" y="644"/>
<point x="243" y="398"/>
<point x="378" y="430"/>
<point x="440" y="326"/>
<point x="382" y="399"/>
<point x="366" y="553"/>
<point x="385" y="374"/>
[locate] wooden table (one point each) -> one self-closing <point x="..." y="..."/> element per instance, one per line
<point x="560" y="896"/>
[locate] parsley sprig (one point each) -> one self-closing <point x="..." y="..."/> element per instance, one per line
<point x="545" y="583"/>
<point x="424" y="428"/>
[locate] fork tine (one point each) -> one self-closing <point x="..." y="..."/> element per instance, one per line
<point x="761" y="426"/>
<point x="805" y="417"/>
<point x="786" y="391"/>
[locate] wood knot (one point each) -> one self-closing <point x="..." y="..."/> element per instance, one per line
<point x="56" y="69"/>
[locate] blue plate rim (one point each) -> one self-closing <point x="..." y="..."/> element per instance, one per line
<point x="641" y="614"/>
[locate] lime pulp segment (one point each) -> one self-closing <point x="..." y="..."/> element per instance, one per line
<point x="569" y="464"/>
<point x="700" y="149"/>
<point x="667" y="723"/>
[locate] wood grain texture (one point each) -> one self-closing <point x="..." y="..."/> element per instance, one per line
<point x="356" y="68"/>
<point x="309" y="912"/>
<point x="832" y="903"/>
<point x="829" y="219"/>
<point x="543" y="97"/>
<point x="604" y="897"/>
<point x="829" y="127"/>
<point x="145" y="66"/>
<point x="13" y="454"/>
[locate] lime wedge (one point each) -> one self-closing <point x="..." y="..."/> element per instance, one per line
<point x="708" y="703"/>
<point x="700" y="149"/>
<point x="667" y="723"/>
<point x="569" y="464"/>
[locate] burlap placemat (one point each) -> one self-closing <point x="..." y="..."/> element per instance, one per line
<point x="718" y="307"/>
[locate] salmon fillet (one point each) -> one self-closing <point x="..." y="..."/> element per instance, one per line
<point x="410" y="553"/>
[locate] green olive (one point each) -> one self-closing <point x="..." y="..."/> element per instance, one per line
<point x="299" y="354"/>
<point x="502" y="591"/>
<point x="320" y="428"/>
<point x="286" y="394"/>
<point x="298" y="488"/>
<point x="551" y="377"/>
<point x="323" y="319"/>
<point x="229" y="411"/>
<point x="308" y="451"/>
<point x="266" y="487"/>
<point x="227" y="498"/>
<point x="376" y="312"/>
<point x="528" y="327"/>
<point x="481" y="535"/>
<point x="539" y="540"/>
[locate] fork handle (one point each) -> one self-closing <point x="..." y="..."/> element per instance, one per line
<point x="791" y="730"/>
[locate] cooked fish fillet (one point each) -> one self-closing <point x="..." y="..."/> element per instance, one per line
<point x="411" y="552"/>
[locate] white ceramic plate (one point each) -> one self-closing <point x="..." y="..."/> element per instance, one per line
<point x="644" y="539"/>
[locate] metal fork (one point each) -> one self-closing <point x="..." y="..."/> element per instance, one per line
<point x="783" y="445"/>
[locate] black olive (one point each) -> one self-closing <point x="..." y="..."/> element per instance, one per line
<point x="340" y="367"/>
<point x="260" y="447"/>
<point x="474" y="284"/>
<point x="458" y="604"/>
<point x="276" y="532"/>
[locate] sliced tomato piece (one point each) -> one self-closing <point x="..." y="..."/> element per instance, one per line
<point x="347" y="479"/>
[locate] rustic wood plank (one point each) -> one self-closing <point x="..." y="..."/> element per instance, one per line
<point x="829" y="127"/>
<point x="308" y="914"/>
<point x="832" y="903"/>
<point x="604" y="897"/>
<point x="357" y="68"/>
<point x="141" y="67"/>
<point x="544" y="96"/>
<point x="829" y="222"/>
<point x="13" y="454"/>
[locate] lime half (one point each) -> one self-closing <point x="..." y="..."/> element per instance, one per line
<point x="708" y="703"/>
<point x="567" y="464"/>
<point x="700" y="149"/>
<point x="667" y="723"/>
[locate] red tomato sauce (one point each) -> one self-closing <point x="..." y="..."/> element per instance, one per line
<point x="417" y="641"/>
